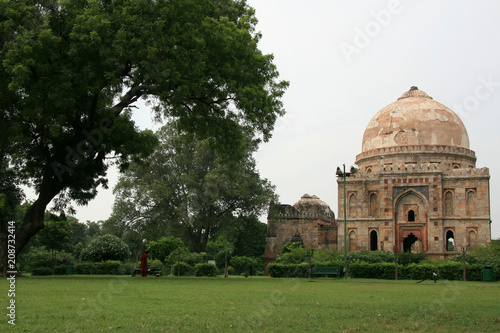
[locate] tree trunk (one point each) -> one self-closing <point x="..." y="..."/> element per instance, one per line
<point x="32" y="223"/>
<point x="225" y="265"/>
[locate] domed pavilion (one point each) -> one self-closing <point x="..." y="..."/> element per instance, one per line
<point x="310" y="221"/>
<point x="418" y="188"/>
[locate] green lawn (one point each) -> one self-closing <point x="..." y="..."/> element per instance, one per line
<point x="259" y="304"/>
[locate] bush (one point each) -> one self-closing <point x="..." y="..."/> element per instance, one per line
<point x="85" y="268"/>
<point x="288" y="270"/>
<point x="106" y="247"/>
<point x="162" y="248"/>
<point x="128" y="268"/>
<point x="369" y="256"/>
<point x="205" y="270"/>
<point x="243" y="264"/>
<point x="41" y="271"/>
<point x="406" y="258"/>
<point x="185" y="269"/>
<point x="39" y="261"/>
<point x="380" y="270"/>
<point x="109" y="267"/>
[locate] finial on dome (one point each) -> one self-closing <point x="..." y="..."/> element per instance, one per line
<point x="414" y="92"/>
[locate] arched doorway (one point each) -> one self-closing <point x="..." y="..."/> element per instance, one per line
<point x="373" y="241"/>
<point x="450" y="241"/>
<point x="408" y="242"/>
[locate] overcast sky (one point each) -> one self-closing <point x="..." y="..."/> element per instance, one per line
<point x="346" y="60"/>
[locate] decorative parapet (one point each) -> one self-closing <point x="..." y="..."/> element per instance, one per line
<point x="416" y="149"/>
<point x="470" y="172"/>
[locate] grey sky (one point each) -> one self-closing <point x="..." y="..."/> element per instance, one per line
<point x="346" y="60"/>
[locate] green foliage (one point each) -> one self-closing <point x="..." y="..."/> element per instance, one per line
<point x="71" y="72"/>
<point x="327" y="255"/>
<point x="184" y="269"/>
<point x="162" y="248"/>
<point x="106" y="247"/>
<point x="243" y="264"/>
<point x="290" y="246"/>
<point x="406" y="258"/>
<point x="38" y="261"/>
<point x="487" y="255"/>
<point x="292" y="253"/>
<point x="370" y="256"/>
<point x="57" y="234"/>
<point x="205" y="270"/>
<point x="77" y="250"/>
<point x="381" y="270"/>
<point x="288" y="270"/>
<point x="108" y="267"/>
<point x="219" y="197"/>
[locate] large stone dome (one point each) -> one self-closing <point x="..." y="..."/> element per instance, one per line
<point x="415" y="119"/>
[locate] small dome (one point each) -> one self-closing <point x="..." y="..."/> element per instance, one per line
<point x="415" y="119"/>
<point x="313" y="205"/>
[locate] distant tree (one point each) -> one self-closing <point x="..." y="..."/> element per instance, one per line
<point x="188" y="190"/>
<point x="227" y="248"/>
<point x="162" y="248"/>
<point x="71" y="72"/>
<point x="106" y="247"/>
<point x="56" y="236"/>
<point x="249" y="237"/>
<point x="79" y="230"/>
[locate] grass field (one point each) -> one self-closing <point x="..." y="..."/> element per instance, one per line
<point x="257" y="304"/>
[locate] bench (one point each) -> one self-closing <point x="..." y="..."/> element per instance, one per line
<point x="326" y="271"/>
<point x="156" y="272"/>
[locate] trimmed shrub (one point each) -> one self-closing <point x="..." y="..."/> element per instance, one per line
<point x="128" y="268"/>
<point x="381" y="270"/>
<point x="243" y="264"/>
<point x="185" y="269"/>
<point x="205" y="270"/>
<point x="106" y="247"/>
<point x="417" y="271"/>
<point x="41" y="271"/>
<point x="109" y="267"/>
<point x="291" y="270"/>
<point x="85" y="268"/>
<point x="450" y="271"/>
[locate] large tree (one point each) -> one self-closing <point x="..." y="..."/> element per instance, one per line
<point x="71" y="71"/>
<point x="187" y="189"/>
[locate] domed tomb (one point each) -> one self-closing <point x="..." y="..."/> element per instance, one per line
<point x="415" y="119"/>
<point x="417" y="188"/>
<point x="312" y="205"/>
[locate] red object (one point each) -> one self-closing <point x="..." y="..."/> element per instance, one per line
<point x="144" y="265"/>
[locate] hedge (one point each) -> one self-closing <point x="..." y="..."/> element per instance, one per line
<point x="205" y="270"/>
<point x="113" y="267"/>
<point x="291" y="270"/>
<point x="384" y="270"/>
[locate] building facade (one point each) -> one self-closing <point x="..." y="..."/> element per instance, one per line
<point x="309" y="221"/>
<point x="418" y="188"/>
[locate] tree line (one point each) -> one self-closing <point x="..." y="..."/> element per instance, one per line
<point x="71" y="73"/>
